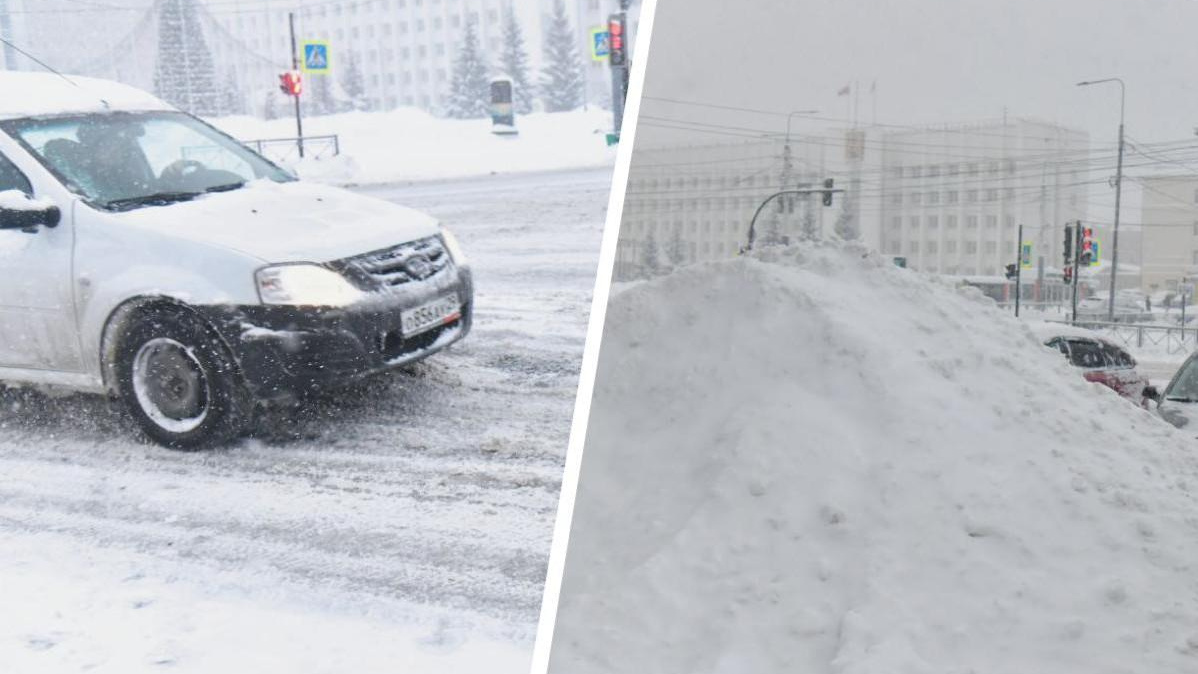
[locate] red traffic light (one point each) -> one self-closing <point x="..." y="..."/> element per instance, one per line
<point x="291" y="83"/>
<point x="615" y="31"/>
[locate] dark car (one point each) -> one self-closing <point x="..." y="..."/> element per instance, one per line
<point x="1105" y="363"/>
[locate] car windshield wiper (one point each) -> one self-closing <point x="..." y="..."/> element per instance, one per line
<point x="156" y="198"/>
<point x="1179" y="399"/>
<point x="226" y="188"/>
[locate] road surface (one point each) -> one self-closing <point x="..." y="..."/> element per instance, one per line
<point x="425" y="499"/>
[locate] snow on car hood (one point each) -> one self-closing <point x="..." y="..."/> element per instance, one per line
<point x="287" y="222"/>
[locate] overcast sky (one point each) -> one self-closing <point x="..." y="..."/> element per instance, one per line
<point x="933" y="61"/>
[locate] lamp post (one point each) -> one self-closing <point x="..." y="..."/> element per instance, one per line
<point x="787" y="161"/>
<point x="1118" y="193"/>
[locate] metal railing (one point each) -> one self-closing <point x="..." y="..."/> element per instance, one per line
<point x="1170" y="339"/>
<point x="284" y="150"/>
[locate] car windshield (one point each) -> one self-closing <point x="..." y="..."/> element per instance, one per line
<point x="1087" y="354"/>
<point x="127" y="160"/>
<point x="1185" y="384"/>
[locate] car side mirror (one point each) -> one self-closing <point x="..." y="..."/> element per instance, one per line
<point x="20" y="211"/>
<point x="1152" y="394"/>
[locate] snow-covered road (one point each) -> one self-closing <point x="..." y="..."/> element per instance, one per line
<point x="419" y="505"/>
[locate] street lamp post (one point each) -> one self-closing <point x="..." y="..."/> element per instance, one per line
<point x="1118" y="193"/>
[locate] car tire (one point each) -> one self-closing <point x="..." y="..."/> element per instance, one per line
<point x="179" y="382"/>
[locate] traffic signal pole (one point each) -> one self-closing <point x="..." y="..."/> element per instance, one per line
<point x="1018" y="268"/>
<point x="295" y="66"/>
<point x="617" y="26"/>
<point x="1077" y="260"/>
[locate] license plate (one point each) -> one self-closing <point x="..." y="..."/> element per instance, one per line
<point x="428" y="316"/>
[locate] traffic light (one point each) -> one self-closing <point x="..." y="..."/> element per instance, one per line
<point x="1012" y="271"/>
<point x="291" y="83"/>
<point x="1086" y="256"/>
<point x="616" y="44"/>
<point x="1068" y="275"/>
<point x="1068" y="244"/>
<point x="828" y="191"/>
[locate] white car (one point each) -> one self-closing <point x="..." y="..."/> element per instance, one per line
<point x="150" y="257"/>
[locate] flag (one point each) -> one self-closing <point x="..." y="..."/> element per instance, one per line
<point x="844" y="91"/>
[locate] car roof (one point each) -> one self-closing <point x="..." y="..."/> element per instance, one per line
<point x="33" y="94"/>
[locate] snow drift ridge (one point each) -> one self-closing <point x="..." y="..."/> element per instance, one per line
<point x="813" y="461"/>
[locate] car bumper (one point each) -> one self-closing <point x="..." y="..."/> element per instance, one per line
<point x="285" y="352"/>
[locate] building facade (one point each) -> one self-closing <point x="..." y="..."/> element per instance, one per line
<point x="404" y="49"/>
<point x="950" y="200"/>
<point x="1168" y="231"/>
<point x="695" y="203"/>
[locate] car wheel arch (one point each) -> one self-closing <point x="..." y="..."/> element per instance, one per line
<point x="134" y="309"/>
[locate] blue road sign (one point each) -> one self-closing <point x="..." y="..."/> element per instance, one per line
<point x="316" y="57"/>
<point x="600" y="44"/>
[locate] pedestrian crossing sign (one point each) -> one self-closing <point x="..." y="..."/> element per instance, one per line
<point x="316" y="57"/>
<point x="600" y="44"/>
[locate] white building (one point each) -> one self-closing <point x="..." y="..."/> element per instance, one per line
<point x="1168" y="231"/>
<point x="695" y="203"/>
<point x="404" y="48"/>
<point x="950" y="199"/>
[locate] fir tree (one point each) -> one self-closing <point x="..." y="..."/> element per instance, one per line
<point x="650" y="255"/>
<point x="561" y="82"/>
<point x="515" y="62"/>
<point x="470" y="90"/>
<point x="676" y="248"/>
<point x="354" y="84"/>
<point x="184" y="75"/>
<point x="320" y="100"/>
<point x="846" y="222"/>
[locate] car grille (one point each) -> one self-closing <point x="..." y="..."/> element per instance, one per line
<point x="395" y="266"/>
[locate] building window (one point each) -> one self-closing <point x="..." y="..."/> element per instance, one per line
<point x="1196" y="228"/>
<point x="933" y="221"/>
<point x="950" y="222"/>
<point x="950" y="246"/>
<point x="897" y="171"/>
<point x="896" y="199"/>
<point x="912" y="246"/>
<point x="896" y="247"/>
<point x="971" y="196"/>
<point x="933" y="197"/>
<point x="1008" y="222"/>
<point x="914" y="222"/>
<point x="971" y="222"/>
<point x="972" y="169"/>
<point x="929" y="247"/>
<point x="953" y="169"/>
<point x="991" y="222"/>
<point x="896" y="223"/>
<point x="992" y="195"/>
<point x="933" y="171"/>
<point x="971" y="248"/>
<point x="951" y="197"/>
<point x="991" y="247"/>
<point x="1008" y="194"/>
<point x="916" y="197"/>
<point x="437" y="23"/>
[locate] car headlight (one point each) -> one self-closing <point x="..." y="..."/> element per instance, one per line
<point x="304" y="284"/>
<point x="454" y="248"/>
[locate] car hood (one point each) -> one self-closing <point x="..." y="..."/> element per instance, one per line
<point x="287" y="222"/>
<point x="1180" y="414"/>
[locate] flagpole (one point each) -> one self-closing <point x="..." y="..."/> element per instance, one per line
<point x="873" y="94"/>
<point x="856" y="102"/>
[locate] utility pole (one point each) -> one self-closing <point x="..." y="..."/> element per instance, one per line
<point x="1118" y="193"/>
<point x="295" y="66"/>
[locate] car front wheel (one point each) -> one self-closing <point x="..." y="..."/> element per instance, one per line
<point x="179" y="383"/>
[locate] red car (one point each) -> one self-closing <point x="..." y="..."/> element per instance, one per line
<point x="1103" y="362"/>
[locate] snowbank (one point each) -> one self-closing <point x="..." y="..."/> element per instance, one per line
<point x="816" y="462"/>
<point x="409" y="144"/>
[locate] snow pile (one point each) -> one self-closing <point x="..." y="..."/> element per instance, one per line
<point x="409" y="144"/>
<point x="816" y="462"/>
<point x="16" y="200"/>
